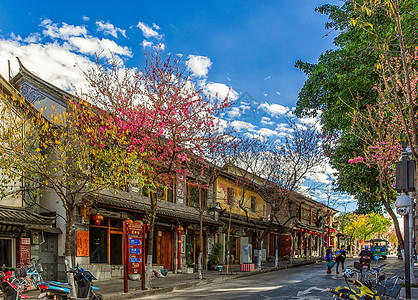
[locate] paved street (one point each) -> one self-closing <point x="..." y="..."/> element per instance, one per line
<point x="306" y="282"/>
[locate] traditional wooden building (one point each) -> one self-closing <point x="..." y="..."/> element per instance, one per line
<point x="24" y="231"/>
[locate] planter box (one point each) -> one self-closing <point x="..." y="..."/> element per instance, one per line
<point x="247" y="267"/>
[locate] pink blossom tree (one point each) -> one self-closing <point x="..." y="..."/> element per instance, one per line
<point x="157" y="110"/>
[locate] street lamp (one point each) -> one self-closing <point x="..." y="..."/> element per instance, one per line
<point x="405" y="177"/>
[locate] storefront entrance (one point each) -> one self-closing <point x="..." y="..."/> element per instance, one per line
<point x="6" y="252"/>
<point x="164" y="245"/>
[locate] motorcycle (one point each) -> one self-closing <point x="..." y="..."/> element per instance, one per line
<point x="365" y="261"/>
<point x="9" y="290"/>
<point x="84" y="283"/>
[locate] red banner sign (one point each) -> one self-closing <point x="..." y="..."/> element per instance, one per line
<point x="24" y="250"/>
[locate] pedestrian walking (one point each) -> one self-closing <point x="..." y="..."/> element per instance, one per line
<point x="328" y="258"/>
<point x="340" y="258"/>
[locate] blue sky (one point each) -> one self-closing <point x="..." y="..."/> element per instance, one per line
<point x="247" y="47"/>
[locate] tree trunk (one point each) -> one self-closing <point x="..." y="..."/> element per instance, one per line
<point x="150" y="247"/>
<point x="68" y="260"/>
<point x="259" y="255"/>
<point x="276" y="251"/>
<point x="395" y="223"/>
<point x="199" y="263"/>
<point x="228" y="242"/>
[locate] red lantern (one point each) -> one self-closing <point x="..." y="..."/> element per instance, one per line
<point x="129" y="221"/>
<point x="179" y="228"/>
<point x="137" y="222"/>
<point x="98" y="218"/>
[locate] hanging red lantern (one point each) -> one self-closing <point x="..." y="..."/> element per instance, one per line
<point x="129" y="221"/>
<point x="179" y="228"/>
<point x="97" y="218"/>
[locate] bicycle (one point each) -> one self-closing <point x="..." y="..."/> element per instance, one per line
<point x="375" y="288"/>
<point x="28" y="276"/>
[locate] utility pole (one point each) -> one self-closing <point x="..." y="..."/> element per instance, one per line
<point x="405" y="182"/>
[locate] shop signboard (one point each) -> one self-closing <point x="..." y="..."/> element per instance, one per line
<point x="8" y="230"/>
<point x="134" y="252"/>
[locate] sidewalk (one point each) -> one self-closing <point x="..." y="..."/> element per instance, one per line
<point x="414" y="291"/>
<point x="113" y="289"/>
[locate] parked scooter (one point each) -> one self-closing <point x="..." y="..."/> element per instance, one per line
<point x="9" y="290"/>
<point x="84" y="283"/>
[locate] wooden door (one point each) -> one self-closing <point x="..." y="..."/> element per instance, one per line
<point x="165" y="249"/>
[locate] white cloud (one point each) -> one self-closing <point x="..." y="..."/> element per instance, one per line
<point x="56" y="60"/>
<point x="110" y="29"/>
<point x="309" y="121"/>
<point x="85" y="18"/>
<point x="148" y="32"/>
<point x="32" y="38"/>
<point x="51" y="62"/>
<point x="155" y="26"/>
<point x="241" y="125"/>
<point x="64" y="32"/>
<point x="278" y="93"/>
<point x="266" y="121"/>
<point x="283" y="127"/>
<point x="284" y="135"/>
<point x="274" y="110"/>
<point x="161" y="46"/>
<point x="234" y="112"/>
<point x="94" y="45"/>
<point x="243" y="108"/>
<point x="146" y="44"/>
<point x="266" y="132"/>
<point x="255" y="136"/>
<point x="267" y="78"/>
<point x="265" y="94"/>
<point x="198" y="65"/>
<point x="221" y="90"/>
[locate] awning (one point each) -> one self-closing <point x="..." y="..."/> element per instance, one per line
<point x="20" y="216"/>
<point x="13" y="220"/>
<point x="164" y="208"/>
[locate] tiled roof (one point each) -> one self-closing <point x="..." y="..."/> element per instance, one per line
<point x="164" y="208"/>
<point x="242" y="220"/>
<point x="21" y="216"/>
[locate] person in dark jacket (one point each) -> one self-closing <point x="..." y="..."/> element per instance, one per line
<point x="340" y="258"/>
<point x="365" y="257"/>
<point x="328" y="258"/>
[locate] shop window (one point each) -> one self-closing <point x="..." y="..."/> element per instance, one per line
<point x="252" y="203"/>
<point x="98" y="245"/>
<point x="106" y="241"/>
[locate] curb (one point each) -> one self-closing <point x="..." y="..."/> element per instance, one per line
<point x="138" y="293"/>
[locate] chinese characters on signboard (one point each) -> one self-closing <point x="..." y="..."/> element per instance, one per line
<point x="83" y="243"/>
<point x="135" y="248"/>
<point x="11" y="230"/>
<point x="24" y="250"/>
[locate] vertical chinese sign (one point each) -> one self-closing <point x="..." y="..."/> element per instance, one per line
<point x="83" y="243"/>
<point x="134" y="262"/>
<point x="24" y="251"/>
